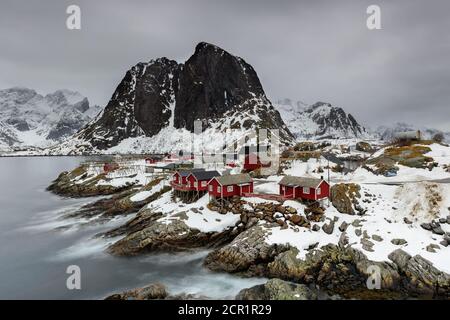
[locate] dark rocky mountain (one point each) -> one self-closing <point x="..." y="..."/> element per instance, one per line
<point x="212" y="86"/>
<point x="141" y="105"/>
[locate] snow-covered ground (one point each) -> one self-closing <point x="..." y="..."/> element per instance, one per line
<point x="198" y="216"/>
<point x="415" y="197"/>
<point x="439" y="153"/>
<point x="384" y="218"/>
<point x="144" y="194"/>
<point x="388" y="207"/>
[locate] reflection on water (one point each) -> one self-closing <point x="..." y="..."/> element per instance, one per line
<point x="37" y="245"/>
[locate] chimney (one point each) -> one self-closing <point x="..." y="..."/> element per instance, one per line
<point x="321" y="177"/>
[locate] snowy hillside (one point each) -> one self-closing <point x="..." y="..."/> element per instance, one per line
<point x="318" y="121"/>
<point x="29" y="119"/>
<point x="386" y="133"/>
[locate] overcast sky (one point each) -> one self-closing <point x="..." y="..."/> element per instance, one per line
<point x="303" y="50"/>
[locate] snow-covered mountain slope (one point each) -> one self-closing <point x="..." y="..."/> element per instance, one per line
<point x="387" y="133"/>
<point x="157" y="102"/>
<point x="31" y="119"/>
<point x="318" y="121"/>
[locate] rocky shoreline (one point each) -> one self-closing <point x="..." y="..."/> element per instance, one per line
<point x="273" y="289"/>
<point x="240" y="246"/>
<point x="67" y="184"/>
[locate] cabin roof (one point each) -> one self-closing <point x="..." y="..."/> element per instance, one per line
<point x="166" y="166"/>
<point x="205" y="175"/>
<point x="234" y="179"/>
<point x="292" y="181"/>
<point x="185" y="173"/>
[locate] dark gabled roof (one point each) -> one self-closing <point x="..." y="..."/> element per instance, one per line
<point x="205" y="175"/>
<point x="185" y="173"/>
<point x="234" y="179"/>
<point x="292" y="181"/>
<point x="166" y="166"/>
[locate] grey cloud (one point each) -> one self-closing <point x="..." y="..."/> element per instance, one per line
<point x="305" y="50"/>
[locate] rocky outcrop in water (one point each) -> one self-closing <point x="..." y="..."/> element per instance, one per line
<point x="419" y="274"/>
<point x="337" y="269"/>
<point x="247" y="253"/>
<point x="150" y="235"/>
<point x="68" y="184"/>
<point x="153" y="291"/>
<point x="276" y="289"/>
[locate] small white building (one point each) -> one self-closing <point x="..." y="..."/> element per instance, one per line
<point x="408" y="135"/>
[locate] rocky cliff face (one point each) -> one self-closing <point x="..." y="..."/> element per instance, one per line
<point x="141" y="105"/>
<point x="213" y="86"/>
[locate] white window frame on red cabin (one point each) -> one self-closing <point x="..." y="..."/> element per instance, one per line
<point x="319" y="191"/>
<point x="195" y="184"/>
<point x="211" y="187"/>
<point x="230" y="189"/>
<point x="219" y="189"/>
<point x="203" y="183"/>
<point x="306" y="190"/>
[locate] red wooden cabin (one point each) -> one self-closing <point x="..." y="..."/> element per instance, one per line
<point x="152" y="160"/>
<point x="230" y="185"/>
<point x="252" y="162"/>
<point x="179" y="179"/>
<point x="110" y="166"/>
<point x="304" y="188"/>
<point x="198" y="180"/>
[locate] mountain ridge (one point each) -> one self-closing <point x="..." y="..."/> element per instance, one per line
<point x="212" y="86"/>
<point x="319" y="121"/>
<point x="32" y="119"/>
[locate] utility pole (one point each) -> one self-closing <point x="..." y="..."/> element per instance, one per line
<point x="328" y="170"/>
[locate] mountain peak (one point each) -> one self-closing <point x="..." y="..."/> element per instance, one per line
<point x="320" y="120"/>
<point x="320" y="104"/>
<point x="213" y="86"/>
<point x="206" y="46"/>
<point x="37" y="120"/>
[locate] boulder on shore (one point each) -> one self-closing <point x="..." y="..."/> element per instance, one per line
<point x="344" y="197"/>
<point x="422" y="277"/>
<point x="151" y="292"/>
<point x="364" y="146"/>
<point x="277" y="289"/>
<point x="248" y="252"/>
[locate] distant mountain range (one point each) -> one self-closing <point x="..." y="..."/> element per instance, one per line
<point x="29" y="119"/>
<point x="154" y="107"/>
<point x="387" y="133"/>
<point x="319" y="121"/>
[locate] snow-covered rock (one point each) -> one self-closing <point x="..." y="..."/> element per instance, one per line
<point x="318" y="121"/>
<point x="29" y="119"/>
